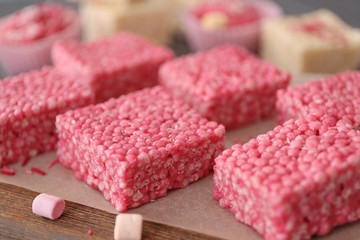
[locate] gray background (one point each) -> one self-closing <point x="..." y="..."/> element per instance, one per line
<point x="348" y="10"/>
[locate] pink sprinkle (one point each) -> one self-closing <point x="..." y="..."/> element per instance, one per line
<point x="38" y="171"/>
<point x="52" y="163"/>
<point x="28" y="172"/>
<point x="5" y="167"/>
<point x="26" y="160"/>
<point x="7" y="171"/>
<point x="89" y="232"/>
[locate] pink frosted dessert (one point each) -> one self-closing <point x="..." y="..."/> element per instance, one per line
<point x="27" y="35"/>
<point x="112" y="66"/>
<point x="35" y="22"/>
<point x="296" y="181"/>
<point x="236" y="13"/>
<point x="227" y="84"/>
<point x="134" y="148"/>
<point x="215" y="23"/>
<point x="28" y="106"/>
<point x="337" y="95"/>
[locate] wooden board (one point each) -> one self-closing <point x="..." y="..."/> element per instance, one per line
<point x="18" y="222"/>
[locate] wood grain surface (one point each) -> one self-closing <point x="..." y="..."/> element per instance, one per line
<point x="18" y="222"/>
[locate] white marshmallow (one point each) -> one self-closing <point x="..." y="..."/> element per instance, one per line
<point x="128" y="227"/>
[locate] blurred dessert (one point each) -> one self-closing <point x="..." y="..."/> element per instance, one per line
<point x="27" y="35"/>
<point x="316" y="42"/>
<point x="112" y="66"/>
<point x="218" y="22"/>
<point x="148" y="18"/>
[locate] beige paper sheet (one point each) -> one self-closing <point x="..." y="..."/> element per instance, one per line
<point x="191" y="208"/>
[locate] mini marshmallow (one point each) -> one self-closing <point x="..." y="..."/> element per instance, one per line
<point x="48" y="206"/>
<point x="128" y="227"/>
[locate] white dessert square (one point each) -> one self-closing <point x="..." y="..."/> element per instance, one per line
<point x="317" y="42"/>
<point x="128" y="227"/>
<point x="148" y="18"/>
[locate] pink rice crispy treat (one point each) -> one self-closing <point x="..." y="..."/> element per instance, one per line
<point x="298" y="180"/>
<point x="337" y="95"/>
<point x="227" y="84"/>
<point x="138" y="146"/>
<point x="28" y="105"/>
<point x="112" y="66"/>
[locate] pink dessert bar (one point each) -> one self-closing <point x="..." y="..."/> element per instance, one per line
<point x="28" y="106"/>
<point x="337" y="95"/>
<point x="298" y="180"/>
<point x="227" y="84"/>
<point x="112" y="66"/>
<point x="138" y="146"/>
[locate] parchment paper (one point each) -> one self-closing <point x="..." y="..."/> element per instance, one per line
<point x="191" y="208"/>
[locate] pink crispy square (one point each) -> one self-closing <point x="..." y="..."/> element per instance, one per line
<point x="29" y="104"/>
<point x="114" y="65"/>
<point x="337" y="95"/>
<point x="138" y="146"/>
<point x="298" y="180"/>
<point x="227" y="84"/>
